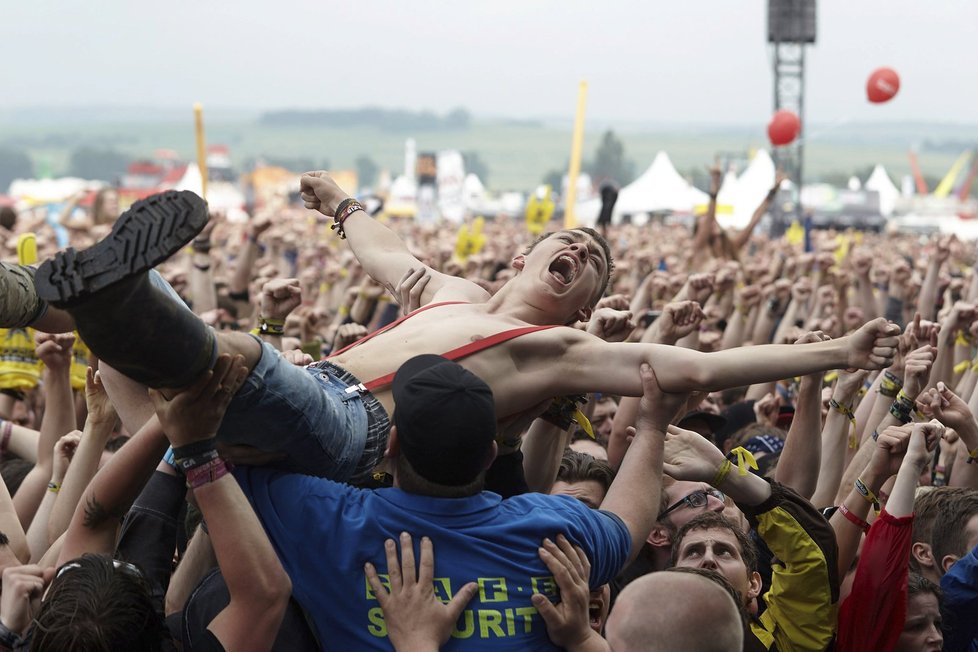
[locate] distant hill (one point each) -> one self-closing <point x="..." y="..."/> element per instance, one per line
<point x="383" y="119"/>
<point x="518" y="152"/>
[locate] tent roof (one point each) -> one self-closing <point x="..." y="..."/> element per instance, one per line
<point x="660" y="188"/>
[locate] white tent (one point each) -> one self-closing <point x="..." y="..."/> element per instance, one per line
<point x="751" y="188"/>
<point x="880" y="181"/>
<point x="660" y="188"/>
<point x="221" y="195"/>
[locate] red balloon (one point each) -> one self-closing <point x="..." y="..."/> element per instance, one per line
<point x="882" y="85"/>
<point x="783" y="128"/>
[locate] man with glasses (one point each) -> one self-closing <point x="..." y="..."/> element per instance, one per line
<point x="681" y="502"/>
<point x="804" y="590"/>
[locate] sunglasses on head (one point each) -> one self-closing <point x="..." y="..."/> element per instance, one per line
<point x="123" y="566"/>
<point x="696" y="499"/>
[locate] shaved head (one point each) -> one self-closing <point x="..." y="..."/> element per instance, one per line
<point x="648" y="617"/>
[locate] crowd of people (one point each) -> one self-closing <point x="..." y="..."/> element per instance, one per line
<point x="326" y="429"/>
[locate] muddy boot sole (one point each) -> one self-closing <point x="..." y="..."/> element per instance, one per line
<point x="151" y="231"/>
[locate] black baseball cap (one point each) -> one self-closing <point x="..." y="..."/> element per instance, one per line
<point x="445" y="418"/>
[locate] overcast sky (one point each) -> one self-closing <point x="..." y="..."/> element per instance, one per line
<point x="703" y="61"/>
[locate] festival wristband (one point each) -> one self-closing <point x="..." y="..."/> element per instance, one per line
<point x="852" y="518"/>
<point x="868" y="494"/>
<point x="268" y="326"/>
<point x="744" y="460"/>
<point x="847" y="412"/>
<point x="207" y="473"/>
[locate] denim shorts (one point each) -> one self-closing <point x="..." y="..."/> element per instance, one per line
<point x="308" y="414"/>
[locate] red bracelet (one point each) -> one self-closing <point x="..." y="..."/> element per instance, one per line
<point x="206" y="473"/>
<point x="852" y="518"/>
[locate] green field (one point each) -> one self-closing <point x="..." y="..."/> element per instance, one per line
<point x="518" y="156"/>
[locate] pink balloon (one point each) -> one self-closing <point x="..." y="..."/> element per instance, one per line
<point x="783" y="128"/>
<point x="882" y="85"/>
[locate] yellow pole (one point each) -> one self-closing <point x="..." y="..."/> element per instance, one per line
<point x="201" y="148"/>
<point x="570" y="219"/>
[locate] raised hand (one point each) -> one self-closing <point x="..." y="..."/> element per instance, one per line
<point x="320" y="192"/>
<point x="873" y="346"/>
<point x="54" y="350"/>
<point x="947" y="407"/>
<point x="916" y="369"/>
<point x="891" y="446"/>
<point x="924" y="438"/>
<point x="615" y="302"/>
<point x="767" y="408"/>
<point x="64" y="451"/>
<point x="415" y="618"/>
<point x="100" y="408"/>
<point x="690" y="456"/>
<point x="678" y="319"/>
<point x="611" y="325"/>
<point x="279" y="297"/>
<point x="347" y="334"/>
<point x="701" y="287"/>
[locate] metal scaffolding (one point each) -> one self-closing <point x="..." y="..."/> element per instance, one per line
<point x="791" y="26"/>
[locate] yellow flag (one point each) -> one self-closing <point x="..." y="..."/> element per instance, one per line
<point x="842" y="250"/>
<point x="462" y="242"/>
<point x="539" y="210"/>
<point x="795" y="234"/>
<point x="944" y="188"/>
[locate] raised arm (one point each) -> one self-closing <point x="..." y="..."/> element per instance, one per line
<point x="381" y="253"/>
<point x="802" y="455"/>
<point x="610" y="367"/>
<point x="634" y="494"/>
<point x="743" y="236"/>
<point x="258" y="586"/>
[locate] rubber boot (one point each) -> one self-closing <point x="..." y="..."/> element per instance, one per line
<point x="123" y="318"/>
<point x="19" y="304"/>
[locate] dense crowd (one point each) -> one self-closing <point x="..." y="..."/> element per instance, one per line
<point x="325" y="429"/>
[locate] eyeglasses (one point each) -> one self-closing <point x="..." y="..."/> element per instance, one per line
<point x="695" y="499"/>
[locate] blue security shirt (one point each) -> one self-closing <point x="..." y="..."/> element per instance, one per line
<point x="324" y="532"/>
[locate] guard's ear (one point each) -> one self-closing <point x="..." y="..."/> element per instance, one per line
<point x="491" y="456"/>
<point x="393" y="444"/>
<point x="518" y="262"/>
